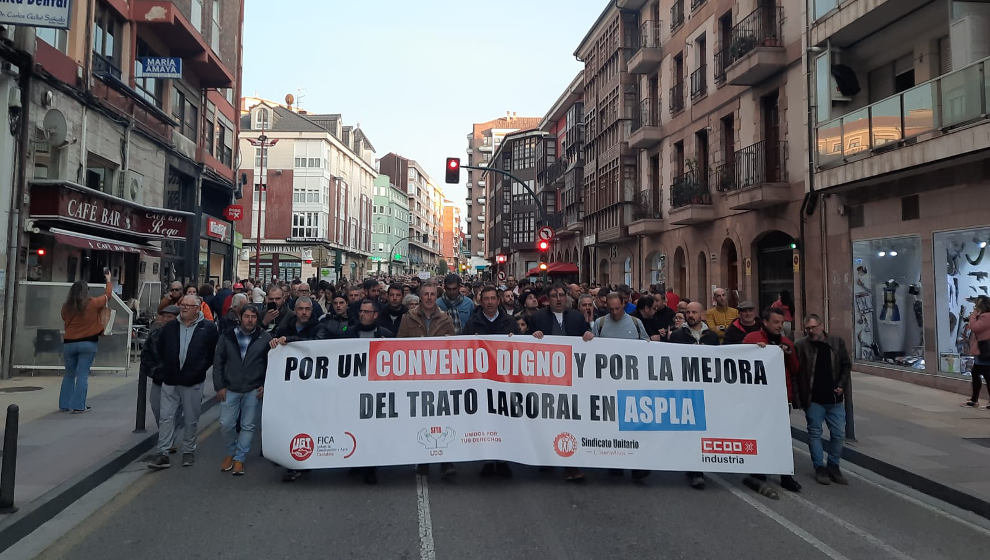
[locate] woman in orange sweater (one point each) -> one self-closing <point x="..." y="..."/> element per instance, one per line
<point x="81" y="315"/>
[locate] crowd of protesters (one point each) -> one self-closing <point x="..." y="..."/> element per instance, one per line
<point x="233" y="328"/>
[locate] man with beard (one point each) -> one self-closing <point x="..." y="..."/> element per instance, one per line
<point x="391" y="316"/>
<point x="456" y="306"/>
<point x="301" y="325"/>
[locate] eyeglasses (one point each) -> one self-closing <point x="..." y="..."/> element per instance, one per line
<point x="175" y="289"/>
<point x="185" y="306"/>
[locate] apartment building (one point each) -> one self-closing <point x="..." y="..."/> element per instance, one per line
<point x="390" y="215"/>
<point x="451" y="236"/>
<point x="899" y="104"/>
<point x="308" y="199"/>
<point x="425" y="210"/>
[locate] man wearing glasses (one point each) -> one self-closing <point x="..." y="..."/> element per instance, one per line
<point x="172" y="296"/>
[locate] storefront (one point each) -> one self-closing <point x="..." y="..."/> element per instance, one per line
<point x="962" y="274"/>
<point x="216" y="250"/>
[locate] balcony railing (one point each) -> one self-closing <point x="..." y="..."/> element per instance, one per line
<point x="648" y="115"/>
<point x="758" y="164"/>
<point x="689" y="188"/>
<point x="676" y="101"/>
<point x="649" y="35"/>
<point x="951" y="99"/>
<point x="761" y="28"/>
<point x="699" y="82"/>
<point x="103" y="66"/>
<point x="695" y="4"/>
<point x="721" y="58"/>
<point x="646" y="205"/>
<point x="677" y="15"/>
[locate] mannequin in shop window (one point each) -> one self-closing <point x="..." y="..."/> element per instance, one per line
<point x="890" y="324"/>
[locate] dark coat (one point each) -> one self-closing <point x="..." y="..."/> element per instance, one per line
<point x="380" y="332"/>
<point x="807" y="356"/>
<point x="683" y="336"/>
<point x="386" y="321"/>
<point x="331" y="327"/>
<point x="791" y="363"/>
<point x="237" y="374"/>
<point x="199" y="355"/>
<point x="574" y="323"/>
<point x="150" y="364"/>
<point x="479" y="324"/>
<point x="737" y="331"/>
<point x="292" y="334"/>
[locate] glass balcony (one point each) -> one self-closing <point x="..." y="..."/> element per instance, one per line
<point x="950" y="100"/>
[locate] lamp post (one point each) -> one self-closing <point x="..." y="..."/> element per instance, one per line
<point x="262" y="142"/>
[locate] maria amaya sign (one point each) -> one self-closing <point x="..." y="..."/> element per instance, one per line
<point x="556" y="401"/>
<point x="37" y="13"/>
<point x="158" y="67"/>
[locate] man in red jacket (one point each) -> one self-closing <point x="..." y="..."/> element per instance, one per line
<point x="772" y="332"/>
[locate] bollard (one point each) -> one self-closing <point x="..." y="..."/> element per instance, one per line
<point x="142" y="403"/>
<point x="9" y="464"/>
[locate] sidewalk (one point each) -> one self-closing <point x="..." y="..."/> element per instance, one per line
<point x="919" y="437"/>
<point x="61" y="456"/>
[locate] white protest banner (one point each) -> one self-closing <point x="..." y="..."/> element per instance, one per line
<point x="558" y="401"/>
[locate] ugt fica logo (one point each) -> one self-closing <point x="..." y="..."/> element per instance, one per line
<point x="436" y="438"/>
<point x="565" y="444"/>
<point x="301" y="447"/>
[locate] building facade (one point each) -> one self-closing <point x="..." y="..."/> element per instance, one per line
<point x="314" y="187"/>
<point x="452" y="237"/>
<point x="390" y="215"/>
<point x="425" y="210"/>
<point x="900" y="131"/>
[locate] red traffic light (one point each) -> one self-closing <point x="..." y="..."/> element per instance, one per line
<point x="543" y="245"/>
<point x="453" y="170"/>
<point x="543" y="266"/>
<point x="500" y="258"/>
<point x="42" y="252"/>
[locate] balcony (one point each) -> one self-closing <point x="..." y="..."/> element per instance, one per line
<point x="720" y="63"/>
<point x="182" y="39"/>
<point x="481" y="183"/>
<point x="699" y="82"/>
<point x="469" y="151"/>
<point x="676" y="100"/>
<point x="647" y="57"/>
<point x="690" y="200"/>
<point x="646" y="215"/>
<point x="104" y="67"/>
<point x="756" y="48"/>
<point x="485" y="148"/>
<point x="676" y="15"/>
<point x="646" y="131"/>
<point x="942" y="118"/>
<point x="756" y="177"/>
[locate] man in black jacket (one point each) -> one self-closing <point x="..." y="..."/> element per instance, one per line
<point x="558" y="319"/>
<point x="391" y="316"/>
<point x="185" y="350"/>
<point x="368" y="325"/>
<point x="239" y="380"/>
<point x="490" y="319"/>
<point x="746" y="323"/>
<point x="301" y="325"/>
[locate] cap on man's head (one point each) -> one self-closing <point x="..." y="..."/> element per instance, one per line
<point x="173" y="309"/>
<point x="451" y="279"/>
<point x="238" y="286"/>
<point x="746" y="304"/>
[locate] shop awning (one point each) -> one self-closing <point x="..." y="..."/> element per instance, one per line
<point x="557" y="268"/>
<point x="85" y="241"/>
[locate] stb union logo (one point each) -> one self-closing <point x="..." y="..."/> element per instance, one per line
<point x="301" y="447"/>
<point x="436" y="438"/>
<point x="565" y="444"/>
<point x="726" y="446"/>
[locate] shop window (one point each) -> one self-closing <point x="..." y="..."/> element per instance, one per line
<point x="150" y="89"/>
<point x="888" y="302"/>
<point x="962" y="277"/>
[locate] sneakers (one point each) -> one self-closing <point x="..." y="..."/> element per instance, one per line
<point x="160" y="462"/>
<point x="227" y="464"/>
<point x="761" y="487"/>
<point x="821" y="476"/>
<point x="238" y="468"/>
<point x="836" y="475"/>
<point x="291" y="475"/>
<point x="188" y="459"/>
<point x="696" y="480"/>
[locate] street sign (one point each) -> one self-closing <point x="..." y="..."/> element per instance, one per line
<point x="501" y="276"/>
<point x="234" y="212"/>
<point x="545" y="233"/>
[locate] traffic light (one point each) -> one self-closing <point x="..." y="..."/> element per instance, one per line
<point x="500" y="259"/>
<point x="397" y="256"/>
<point x="543" y="267"/>
<point x="453" y="170"/>
<point x="543" y="246"/>
<point x="42" y="252"/>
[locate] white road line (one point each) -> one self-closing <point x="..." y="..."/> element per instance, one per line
<point x="781" y="520"/>
<point x="426" y="547"/>
<point x="869" y="537"/>
<point x="851" y="469"/>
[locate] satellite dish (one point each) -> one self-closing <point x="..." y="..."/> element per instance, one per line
<point x="55" y="128"/>
<point x="289" y="99"/>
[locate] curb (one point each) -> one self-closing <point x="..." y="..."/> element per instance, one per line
<point x="893" y="472"/>
<point x="38" y="512"/>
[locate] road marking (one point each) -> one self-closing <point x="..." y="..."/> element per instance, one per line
<point x="869" y="537"/>
<point x="426" y="546"/>
<point x="852" y="470"/>
<point x="781" y="520"/>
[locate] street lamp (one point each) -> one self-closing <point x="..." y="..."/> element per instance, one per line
<point x="263" y="142"/>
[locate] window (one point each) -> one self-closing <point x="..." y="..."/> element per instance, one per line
<point x="300" y="162"/>
<point x="100" y="174"/>
<point x="209" y="130"/>
<point x="260" y="157"/>
<point x="106" y="32"/>
<point x="225" y="142"/>
<point x="306" y="225"/>
<point x="186" y="113"/>
<point x="262" y="116"/>
<point x="57" y="38"/>
<point x="150" y="89"/>
<point x="314" y="162"/>
<point x="215" y="31"/>
<point x="196" y="15"/>
<point x="823" y="7"/>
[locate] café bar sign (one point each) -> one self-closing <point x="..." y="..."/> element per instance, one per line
<point x="36" y="13"/>
<point x="68" y="202"/>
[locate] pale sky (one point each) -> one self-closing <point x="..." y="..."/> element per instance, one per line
<point x="416" y="74"/>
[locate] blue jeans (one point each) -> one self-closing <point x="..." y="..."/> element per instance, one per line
<point x="78" y="358"/>
<point x="245" y="406"/>
<point x="834" y="415"/>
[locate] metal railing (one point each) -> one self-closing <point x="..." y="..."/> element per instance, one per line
<point x="724" y="176"/>
<point x="646" y="205"/>
<point x="103" y="66"/>
<point x="676" y="101"/>
<point x="696" y="3"/>
<point x="757" y="164"/>
<point x="721" y="58"/>
<point x="648" y="114"/>
<point x="699" y="82"/>
<point x="761" y="28"/>
<point x="677" y="14"/>
<point x="951" y="99"/>
<point x="689" y="188"/>
<point x="649" y="35"/>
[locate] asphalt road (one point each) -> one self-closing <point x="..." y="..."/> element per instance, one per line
<point x="199" y="512"/>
